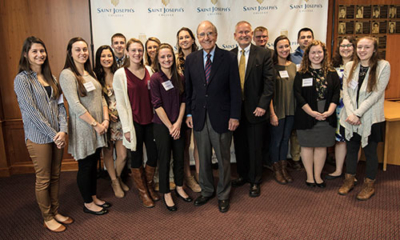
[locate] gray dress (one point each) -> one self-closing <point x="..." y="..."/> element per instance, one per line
<point x="83" y="140"/>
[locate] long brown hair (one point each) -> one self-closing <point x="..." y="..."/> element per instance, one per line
<point x="181" y="56"/>
<point x="24" y="64"/>
<point x="337" y="59"/>
<point x="148" y="58"/>
<point x="128" y="44"/>
<point x="69" y="63"/>
<point x="373" y="64"/>
<point x="306" y="63"/>
<point x="175" y="77"/>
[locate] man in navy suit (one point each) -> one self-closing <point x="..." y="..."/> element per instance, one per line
<point x="213" y="110"/>
<point x="257" y="83"/>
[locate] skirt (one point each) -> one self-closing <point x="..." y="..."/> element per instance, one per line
<point x="320" y="135"/>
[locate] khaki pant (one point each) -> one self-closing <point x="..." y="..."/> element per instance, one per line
<point x="294" y="146"/>
<point x="46" y="160"/>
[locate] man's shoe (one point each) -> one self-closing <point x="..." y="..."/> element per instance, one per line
<point x="296" y="165"/>
<point x="223" y="205"/>
<point x="238" y="182"/>
<point x="202" y="200"/>
<point x="254" y="190"/>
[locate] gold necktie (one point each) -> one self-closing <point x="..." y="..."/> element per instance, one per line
<point x="242" y="70"/>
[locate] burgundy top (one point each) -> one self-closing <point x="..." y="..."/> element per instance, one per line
<point x="170" y="100"/>
<point x="139" y="96"/>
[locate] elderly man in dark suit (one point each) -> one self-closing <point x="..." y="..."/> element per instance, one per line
<point x="213" y="110"/>
<point x="257" y="83"/>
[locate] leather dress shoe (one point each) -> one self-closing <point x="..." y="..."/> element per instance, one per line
<point x="188" y="199"/>
<point x="254" y="190"/>
<point x="101" y="212"/>
<point x="238" y="182"/>
<point x="67" y="221"/>
<point x="321" y="185"/>
<point x="201" y="200"/>
<point x="105" y="205"/>
<point x="170" y="208"/>
<point x="330" y="177"/>
<point x="223" y="205"/>
<point x="310" y="184"/>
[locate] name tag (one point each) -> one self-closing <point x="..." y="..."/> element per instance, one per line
<point x="61" y="99"/>
<point x="167" y="85"/>
<point x="284" y="74"/>
<point x="89" y="86"/>
<point x="307" y="82"/>
<point x="353" y="84"/>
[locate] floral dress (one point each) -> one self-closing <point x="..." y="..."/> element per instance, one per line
<point x="115" y="130"/>
<point x="338" y="136"/>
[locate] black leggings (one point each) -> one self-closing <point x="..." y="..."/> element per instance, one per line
<point x="353" y="146"/>
<point x="144" y="134"/>
<point x="87" y="176"/>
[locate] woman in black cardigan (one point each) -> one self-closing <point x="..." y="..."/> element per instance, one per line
<point x="317" y="91"/>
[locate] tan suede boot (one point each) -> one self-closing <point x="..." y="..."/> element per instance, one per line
<point x="138" y="178"/>
<point x="348" y="184"/>
<point x="122" y="184"/>
<point x="285" y="173"/>
<point x="119" y="193"/>
<point x="367" y="191"/>
<point x="149" y="178"/>
<point x="192" y="184"/>
<point x="278" y="173"/>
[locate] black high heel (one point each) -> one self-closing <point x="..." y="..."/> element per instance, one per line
<point x="310" y="184"/>
<point x="188" y="199"/>
<point x="172" y="208"/>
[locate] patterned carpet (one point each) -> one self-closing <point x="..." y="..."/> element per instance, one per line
<point x="292" y="211"/>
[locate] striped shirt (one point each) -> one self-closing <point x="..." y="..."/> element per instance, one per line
<point x="42" y="116"/>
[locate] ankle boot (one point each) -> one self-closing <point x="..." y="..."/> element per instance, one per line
<point x="278" y="173"/>
<point x="122" y="184"/>
<point x="149" y="178"/>
<point x="348" y="184"/>
<point x="367" y="191"/>
<point x="118" y="192"/>
<point x="138" y="178"/>
<point x="285" y="173"/>
<point x="192" y="184"/>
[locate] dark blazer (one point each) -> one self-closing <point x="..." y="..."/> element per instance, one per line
<point x="221" y="97"/>
<point x="259" y="82"/>
<point x="308" y="95"/>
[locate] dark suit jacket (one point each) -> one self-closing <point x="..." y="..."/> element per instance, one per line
<point x="259" y="82"/>
<point x="221" y="97"/>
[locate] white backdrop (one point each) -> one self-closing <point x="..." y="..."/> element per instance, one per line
<point x="163" y="18"/>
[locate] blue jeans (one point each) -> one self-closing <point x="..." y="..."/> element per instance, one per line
<point x="280" y="136"/>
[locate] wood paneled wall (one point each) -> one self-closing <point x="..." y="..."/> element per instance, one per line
<point x="55" y="22"/>
<point x="392" y="44"/>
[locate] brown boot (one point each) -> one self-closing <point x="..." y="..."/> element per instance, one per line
<point x="278" y="173"/>
<point x="285" y="173"/>
<point x="367" y="191"/>
<point x="192" y="184"/>
<point x="123" y="185"/>
<point x="149" y="178"/>
<point x="119" y="193"/>
<point x="348" y="184"/>
<point x="138" y="178"/>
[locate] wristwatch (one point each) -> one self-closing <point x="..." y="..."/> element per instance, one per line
<point x="94" y="123"/>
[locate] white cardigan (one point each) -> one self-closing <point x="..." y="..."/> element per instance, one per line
<point x="370" y="104"/>
<point x="124" y="107"/>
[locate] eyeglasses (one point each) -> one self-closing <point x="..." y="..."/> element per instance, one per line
<point x="346" y="45"/>
<point x="203" y="34"/>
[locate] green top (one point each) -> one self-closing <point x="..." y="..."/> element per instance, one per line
<point x="284" y="101"/>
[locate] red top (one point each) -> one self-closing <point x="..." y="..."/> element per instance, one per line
<point x="139" y="96"/>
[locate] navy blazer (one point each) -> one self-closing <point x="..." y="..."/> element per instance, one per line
<point x="220" y="98"/>
<point x="259" y="83"/>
